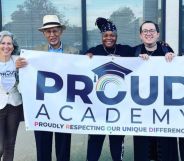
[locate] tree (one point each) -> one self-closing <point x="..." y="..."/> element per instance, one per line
<point x="127" y="25"/>
<point x="123" y="14"/>
<point x="28" y="18"/>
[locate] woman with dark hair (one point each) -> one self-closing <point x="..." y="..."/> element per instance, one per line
<point x="10" y="98"/>
<point x="107" y="48"/>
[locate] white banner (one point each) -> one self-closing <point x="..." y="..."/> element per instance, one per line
<point x="103" y="95"/>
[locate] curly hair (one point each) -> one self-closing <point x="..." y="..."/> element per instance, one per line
<point x="15" y="44"/>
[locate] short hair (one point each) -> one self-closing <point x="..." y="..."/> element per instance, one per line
<point x="156" y="25"/>
<point x="14" y="42"/>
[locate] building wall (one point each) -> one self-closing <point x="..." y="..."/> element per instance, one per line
<point x="172" y="24"/>
<point x="24" y="17"/>
<point x="150" y="12"/>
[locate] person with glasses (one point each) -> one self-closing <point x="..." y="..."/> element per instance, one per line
<point x="148" y="148"/>
<point x="52" y="30"/>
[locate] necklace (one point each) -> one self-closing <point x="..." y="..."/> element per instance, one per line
<point x="150" y="52"/>
<point x="151" y="45"/>
<point x="109" y="53"/>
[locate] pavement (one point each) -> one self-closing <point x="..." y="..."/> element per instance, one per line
<point x="25" y="147"/>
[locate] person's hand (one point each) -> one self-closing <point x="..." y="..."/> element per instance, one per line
<point x="20" y="63"/>
<point x="90" y="55"/>
<point x="169" y="56"/>
<point x="144" y="56"/>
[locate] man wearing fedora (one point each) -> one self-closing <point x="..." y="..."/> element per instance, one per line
<point x="52" y="30"/>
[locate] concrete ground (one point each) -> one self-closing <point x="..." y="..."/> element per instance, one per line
<point x="25" y="147"/>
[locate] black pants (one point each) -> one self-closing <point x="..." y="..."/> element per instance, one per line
<point x="181" y="146"/>
<point x="155" y="148"/>
<point x="9" y="122"/>
<point x="44" y="146"/>
<point x="95" y="144"/>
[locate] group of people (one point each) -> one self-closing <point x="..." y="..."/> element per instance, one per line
<point x="145" y="148"/>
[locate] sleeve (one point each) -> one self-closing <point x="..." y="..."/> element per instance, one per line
<point x="165" y="47"/>
<point x="134" y="51"/>
<point x="170" y="49"/>
<point x="91" y="50"/>
<point x="131" y="51"/>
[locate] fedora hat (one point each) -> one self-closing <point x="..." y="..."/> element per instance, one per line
<point x="50" y="21"/>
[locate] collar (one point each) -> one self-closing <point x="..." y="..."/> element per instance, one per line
<point x="59" y="50"/>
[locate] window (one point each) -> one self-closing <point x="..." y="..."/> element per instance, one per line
<point x="126" y="15"/>
<point x="24" y="17"/>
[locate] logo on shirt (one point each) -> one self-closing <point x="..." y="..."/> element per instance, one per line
<point x="8" y="73"/>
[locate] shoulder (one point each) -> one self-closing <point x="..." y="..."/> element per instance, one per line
<point x="42" y="47"/>
<point x="125" y="50"/>
<point x="97" y="47"/>
<point x="124" y="47"/>
<point x="138" y="46"/>
<point x="162" y="49"/>
<point x="164" y="46"/>
<point x="15" y="57"/>
<point x="95" y="50"/>
<point x="138" y="49"/>
<point x="70" y="49"/>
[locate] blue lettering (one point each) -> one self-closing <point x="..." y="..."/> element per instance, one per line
<point x="83" y="93"/>
<point x="153" y="91"/>
<point x="168" y="92"/>
<point x="42" y="88"/>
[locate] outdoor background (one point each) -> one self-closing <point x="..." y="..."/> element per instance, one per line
<point x="24" y="17"/>
<point x="25" y="147"/>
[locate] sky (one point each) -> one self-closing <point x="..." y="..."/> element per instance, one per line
<point x="8" y="7"/>
<point x="72" y="9"/>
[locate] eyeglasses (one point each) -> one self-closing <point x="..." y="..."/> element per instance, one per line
<point x="54" y="31"/>
<point x="151" y="31"/>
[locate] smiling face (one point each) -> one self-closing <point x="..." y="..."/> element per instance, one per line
<point x="109" y="39"/>
<point x="53" y="36"/>
<point x="6" y="47"/>
<point x="149" y="34"/>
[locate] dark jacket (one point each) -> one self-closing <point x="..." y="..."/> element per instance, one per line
<point x="161" y="50"/>
<point x="66" y="49"/>
<point x="119" y="50"/>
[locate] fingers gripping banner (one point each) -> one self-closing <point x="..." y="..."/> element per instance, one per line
<point x="103" y="95"/>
